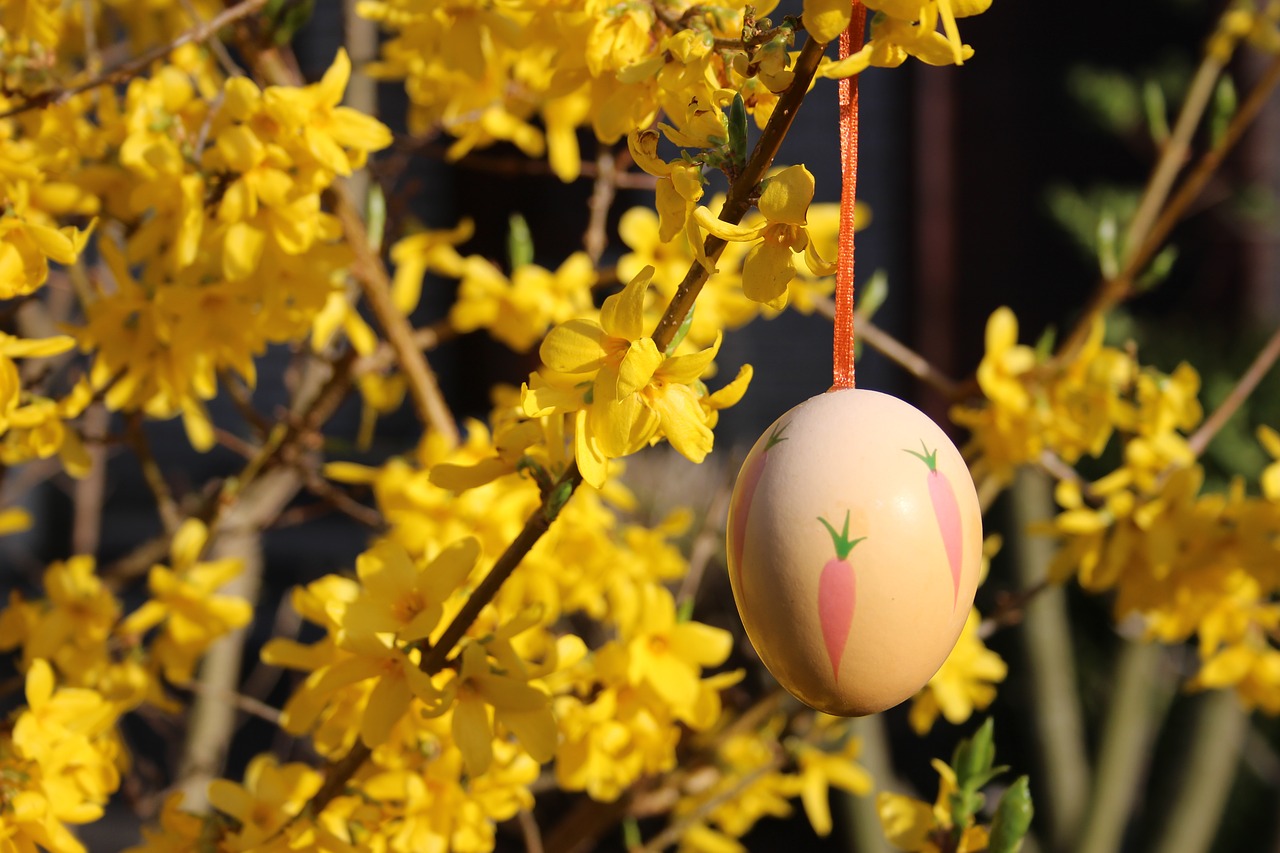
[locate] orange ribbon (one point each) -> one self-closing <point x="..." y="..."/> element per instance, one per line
<point x="842" y="369"/>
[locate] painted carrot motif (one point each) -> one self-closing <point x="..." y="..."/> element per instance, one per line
<point x="837" y="592"/>
<point x="743" y="497"/>
<point x="947" y="511"/>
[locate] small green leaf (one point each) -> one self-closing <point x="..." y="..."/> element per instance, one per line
<point x="519" y="242"/>
<point x="684" y="612"/>
<point x="631" y="836"/>
<point x="1012" y="818"/>
<point x="556" y="499"/>
<point x="1108" y="252"/>
<point x="287" y="17"/>
<point x="872" y="294"/>
<point x="1044" y="346"/>
<point x="975" y="755"/>
<point x="1157" y="112"/>
<point x="685" y="325"/>
<point x="1223" y="110"/>
<point x="738" y="133"/>
<point x="1110" y="98"/>
<point x="1158" y="270"/>
<point x="376" y="216"/>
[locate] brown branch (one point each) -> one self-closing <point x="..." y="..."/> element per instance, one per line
<point x="897" y="352"/>
<point x="340" y="500"/>
<point x="1110" y="292"/>
<point x="1254" y="374"/>
<point x="1010" y="608"/>
<point x="426" y="339"/>
<point x="375" y="284"/>
<point x="529" y="829"/>
<point x="90" y="491"/>
<point x="709" y="540"/>
<point x="595" y="241"/>
<point x="170" y="514"/>
<point x="248" y="704"/>
<point x="137" y="65"/>
<point x="675" y="831"/>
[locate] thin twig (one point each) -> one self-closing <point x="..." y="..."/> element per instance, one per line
<point x="90" y="490"/>
<point x="1111" y="292"/>
<point x="1249" y="380"/>
<point x="1173" y="155"/>
<point x="709" y="540"/>
<point x="595" y="240"/>
<point x="676" y="831"/>
<point x="529" y="829"/>
<point x="251" y="706"/>
<point x="426" y="339"/>
<point x="341" y="501"/>
<point x="375" y="284"/>
<point x="229" y="66"/>
<point x="897" y="352"/>
<point x="137" y="65"/>
<point x="170" y="513"/>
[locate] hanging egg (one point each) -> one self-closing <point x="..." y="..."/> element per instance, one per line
<point x="855" y="544"/>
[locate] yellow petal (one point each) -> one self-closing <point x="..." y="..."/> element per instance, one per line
<point x="14" y="520"/>
<point x="787" y="195"/>
<point x="387" y="704"/>
<point x="825" y="20"/>
<point x="622" y="314"/>
<point x="730" y="394"/>
<point x="726" y="230"/>
<point x="906" y="822"/>
<point x="817" y="805"/>
<point x="637" y="367"/>
<point x="684" y="422"/>
<point x="591" y="462"/>
<point x="459" y="478"/>
<point x="36" y="347"/>
<point x="242" y="251"/>
<point x="195" y="418"/>
<point x="473" y="735"/>
<point x="686" y="369"/>
<point x="188" y="543"/>
<point x="614" y="425"/>
<point x="334" y="81"/>
<point x="766" y="272"/>
<point x="574" y="347"/>
<point x="643" y="146"/>
<point x="672" y="210"/>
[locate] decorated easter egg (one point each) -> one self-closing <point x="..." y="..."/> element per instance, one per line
<point x="854" y="548"/>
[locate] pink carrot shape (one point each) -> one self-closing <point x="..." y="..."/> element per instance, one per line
<point x="742" y="500"/>
<point x="837" y="593"/>
<point x="947" y="512"/>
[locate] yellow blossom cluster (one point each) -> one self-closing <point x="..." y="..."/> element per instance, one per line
<point x="531" y="72"/>
<point x="1189" y="563"/>
<point x="59" y="763"/>
<point x="223" y="206"/>
<point x="86" y="665"/>
<point x="621" y="392"/>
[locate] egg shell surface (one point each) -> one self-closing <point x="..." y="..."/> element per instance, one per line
<point x="859" y="633"/>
